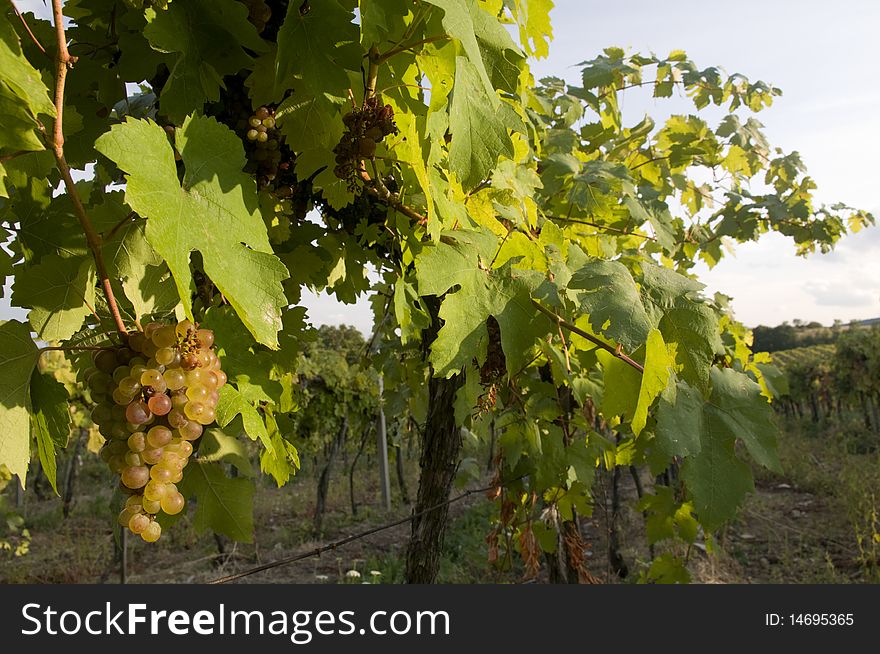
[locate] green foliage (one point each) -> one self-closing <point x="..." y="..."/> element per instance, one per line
<point x="521" y="234"/>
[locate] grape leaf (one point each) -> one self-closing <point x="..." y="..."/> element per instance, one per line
<point x="679" y="421"/>
<point x="282" y="460"/>
<point x="658" y="368"/>
<point x="224" y="504"/>
<point x="504" y="293"/>
<point x="59" y="292"/>
<point x="609" y="295"/>
<point x="478" y="123"/>
<point x="18" y="356"/>
<point x="231" y="404"/>
<point x="535" y="31"/>
<point x="50" y="422"/>
<point x="739" y="406"/>
<point x="705" y="432"/>
<point x="19" y="75"/>
<point x="218" y="447"/>
<point x="717" y="480"/>
<point x="209" y="38"/>
<point x="458" y="21"/>
<point x="316" y="47"/>
<point x="215" y="212"/>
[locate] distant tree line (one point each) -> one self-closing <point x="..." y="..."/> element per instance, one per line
<point x="798" y="333"/>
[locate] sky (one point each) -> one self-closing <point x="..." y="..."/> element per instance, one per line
<point x="822" y="55"/>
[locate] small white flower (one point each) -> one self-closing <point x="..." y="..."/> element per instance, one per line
<point x="321" y="577"/>
<point x="353" y="574"/>
<point x="375" y="573"/>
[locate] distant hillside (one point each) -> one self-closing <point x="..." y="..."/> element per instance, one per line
<point x="789" y="336"/>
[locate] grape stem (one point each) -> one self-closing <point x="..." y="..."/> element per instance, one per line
<point x="378" y="189"/>
<point x="28" y="28"/>
<point x="63" y="62"/>
<point x="562" y="322"/>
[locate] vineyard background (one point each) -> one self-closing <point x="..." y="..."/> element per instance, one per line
<point x="816" y="522"/>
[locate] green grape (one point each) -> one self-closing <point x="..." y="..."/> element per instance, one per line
<point x="151" y="455"/>
<point x="129" y="386"/>
<point x="133" y="459"/>
<point x="190" y="431"/>
<point x="175" y="379"/>
<point x="137" y="442"/>
<point x="121" y="398"/>
<point x="126" y="515"/>
<point x="138" y="523"/>
<point x="205" y="337"/>
<point x="254" y="121"/>
<point x="252" y="135"/>
<point x="151" y="378"/>
<point x="161" y="473"/>
<point x="151" y="328"/>
<point x="159" y="436"/>
<point x="100" y="382"/>
<point x="120" y="373"/>
<point x="179" y="399"/>
<point x="262" y="137"/>
<point x="152" y="506"/>
<point x="195" y="377"/>
<point x="105" y="361"/>
<point x="152" y="532"/>
<point x="155" y="490"/>
<point x="194" y="410"/>
<point x="165" y="337"/>
<point x="135" y="476"/>
<point x="197" y="393"/>
<point x="172" y="504"/>
<point x="207" y="416"/>
<point x="165" y="355"/>
<point x="184" y="327"/>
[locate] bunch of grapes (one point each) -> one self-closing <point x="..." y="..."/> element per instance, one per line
<point x="365" y="127"/>
<point x="262" y="133"/>
<point x="155" y="394"/>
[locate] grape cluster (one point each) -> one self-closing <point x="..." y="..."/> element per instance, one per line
<point x="266" y="139"/>
<point x="155" y="394"/>
<point x="365" y="127"/>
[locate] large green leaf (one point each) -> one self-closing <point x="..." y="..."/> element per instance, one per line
<point x="316" y="47"/>
<point x="18" y="356"/>
<point x="59" y="292"/>
<point x="479" y="125"/>
<point x="223" y="504"/>
<point x="214" y="212"/>
<point x="607" y="292"/>
<point x="208" y="40"/>
<point x="705" y="433"/>
<point x="503" y="293"/>
<point x="50" y="421"/>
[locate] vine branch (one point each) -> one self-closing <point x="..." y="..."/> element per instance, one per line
<point x="28" y="28"/>
<point x="607" y="228"/>
<point x="598" y="342"/>
<point x="63" y="62"/>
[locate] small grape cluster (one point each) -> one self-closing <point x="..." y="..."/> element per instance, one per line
<point x="155" y="394"/>
<point x="262" y="132"/>
<point x="365" y="127"/>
